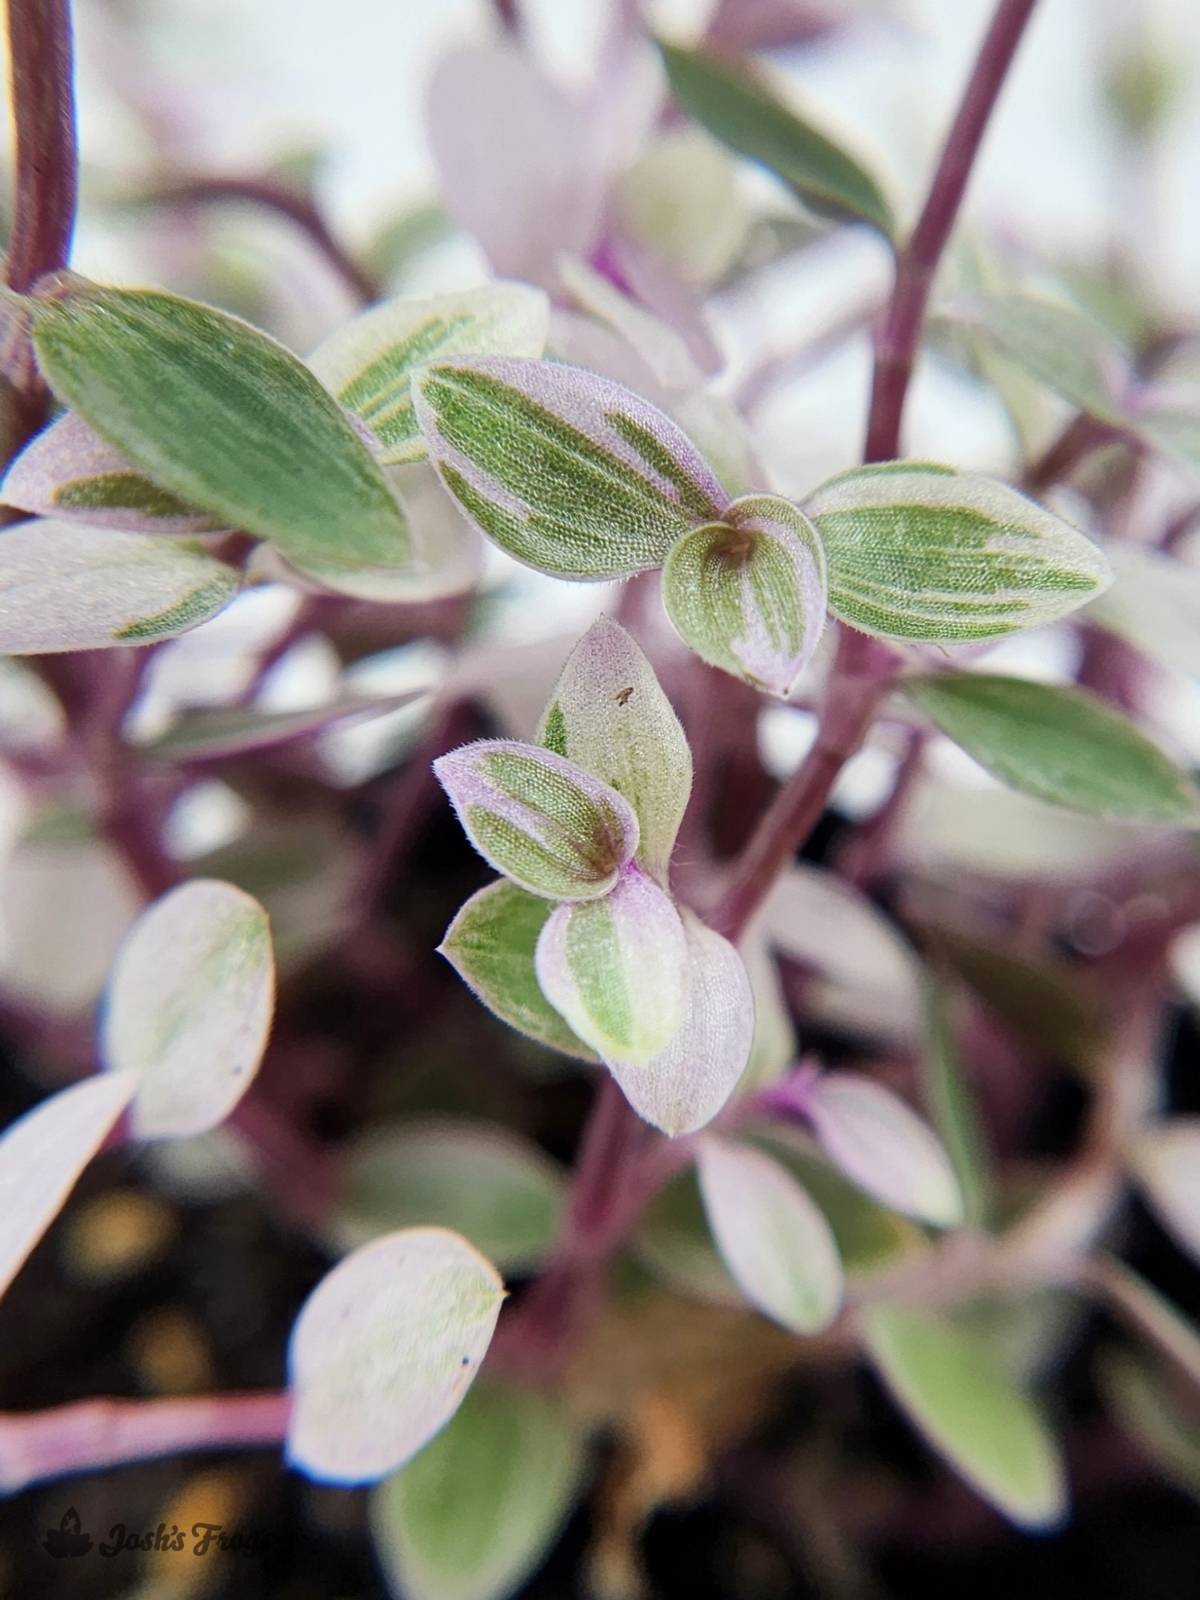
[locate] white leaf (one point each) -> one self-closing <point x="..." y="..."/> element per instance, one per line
<point x="771" y="1236"/>
<point x="189" y="1007"/>
<point x="42" y="1155"/>
<point x="384" y="1350"/>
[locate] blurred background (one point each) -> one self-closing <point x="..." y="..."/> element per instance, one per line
<point x="180" y="1271"/>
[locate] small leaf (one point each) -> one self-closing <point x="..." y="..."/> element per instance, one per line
<point x="748" y="593"/>
<point x="42" y="1155"/>
<point x="569" y="473"/>
<point x="413" y="1173"/>
<point x="542" y="821"/>
<point x="947" y="1379"/>
<point x="877" y="1142"/>
<point x="189" y="1007"/>
<point x="683" y="1086"/>
<point x="741" y="111"/>
<point x="1057" y="744"/>
<point x="1068" y="352"/>
<point x="773" y="1239"/>
<point x="1166" y="1162"/>
<point x="609" y="715"/>
<point x="67" y="587"/>
<point x="491" y="944"/>
<point x="383" y="1351"/>
<point x="225" y="733"/>
<point x="951" y="1100"/>
<point x="473" y="1515"/>
<point x="369" y="362"/>
<point x="222" y="416"/>
<point x="616" y="969"/>
<point x="919" y="552"/>
<point x="68" y="471"/>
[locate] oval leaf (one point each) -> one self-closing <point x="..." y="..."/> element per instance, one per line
<point x="42" y="1155"/>
<point x="616" y="969"/>
<point x="69" y="471"/>
<point x="491" y="944"/>
<point x="368" y="364"/>
<point x="748" y="593"/>
<point x="413" y="1173"/>
<point x="948" y="1381"/>
<point x="1166" y="1162"/>
<point x="919" y="552"/>
<point x="685" y="1085"/>
<point x="67" y="587"/>
<point x="384" y="1350"/>
<point x="771" y="1236"/>
<point x="219" y="414"/>
<point x="1058" y="744"/>
<point x="474" y="1514"/>
<point x="608" y="714"/>
<point x="873" y="1138"/>
<point x="189" y="1007"/>
<point x="568" y="472"/>
<point x="542" y="821"/>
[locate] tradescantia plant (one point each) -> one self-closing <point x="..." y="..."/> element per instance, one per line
<point x="525" y="547"/>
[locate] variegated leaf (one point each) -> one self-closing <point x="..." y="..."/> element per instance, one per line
<point x="545" y="823"/>
<point x="368" y="363"/>
<point x="920" y="552"/>
<point x="64" y="586"/>
<point x="69" y="471"/>
<point x="567" y="472"/>
<point x="617" y="969"/>
<point x="609" y="715"/>
<point x="748" y="593"/>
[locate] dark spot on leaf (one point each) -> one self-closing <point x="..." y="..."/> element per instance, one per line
<point x="623" y="695"/>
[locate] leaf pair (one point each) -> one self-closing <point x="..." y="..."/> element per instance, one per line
<point x="588" y="819"/>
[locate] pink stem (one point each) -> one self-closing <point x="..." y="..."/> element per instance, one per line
<point x="91" y="1435"/>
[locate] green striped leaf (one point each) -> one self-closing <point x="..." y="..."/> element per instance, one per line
<point x="920" y="552"/>
<point x="739" y="108"/>
<point x="68" y="471"/>
<point x="368" y="364"/>
<point x="748" y="593"/>
<point x="491" y="944"/>
<point x="1058" y="744"/>
<point x="566" y="471"/>
<point x="609" y="715"/>
<point x="64" y="586"/>
<point x="221" y="416"/>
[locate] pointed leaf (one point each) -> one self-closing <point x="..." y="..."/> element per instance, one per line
<point x="877" y="1142"/>
<point x="616" y="969"/>
<point x="473" y="1515"/>
<point x="384" y="1350"/>
<point x="412" y="1173"/>
<point x="608" y="714"/>
<point x="748" y="593"/>
<point x="69" y="471"/>
<point x="542" y="821"/>
<point x="225" y="733"/>
<point x="918" y="552"/>
<point x="1058" y="744"/>
<point x="189" y="1007"/>
<point x="948" y="1381"/>
<point x="951" y="1100"/>
<point x="222" y="416"/>
<point x="568" y="472"/>
<point x="773" y="1239"/>
<point x="686" y="1084"/>
<point x="67" y="587"/>
<point x="491" y="944"/>
<point x="42" y="1155"/>
<point x="369" y="362"/>
<point x="740" y="110"/>
<point x="1166" y="1162"/>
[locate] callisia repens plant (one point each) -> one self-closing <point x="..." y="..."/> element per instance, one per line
<point x="654" y="911"/>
